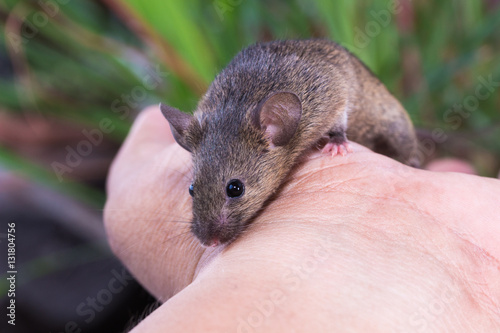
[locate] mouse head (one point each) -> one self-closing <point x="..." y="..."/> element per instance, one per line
<point x="239" y="161"/>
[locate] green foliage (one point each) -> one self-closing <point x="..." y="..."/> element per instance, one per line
<point x="81" y="62"/>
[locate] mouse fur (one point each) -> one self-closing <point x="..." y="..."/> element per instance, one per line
<point x="271" y="103"/>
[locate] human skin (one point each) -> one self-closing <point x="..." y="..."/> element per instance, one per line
<point x="351" y="244"/>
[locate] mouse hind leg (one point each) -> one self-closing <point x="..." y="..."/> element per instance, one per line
<point x="387" y="131"/>
<point x="399" y="147"/>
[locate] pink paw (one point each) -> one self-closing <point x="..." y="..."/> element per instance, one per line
<point x="336" y="148"/>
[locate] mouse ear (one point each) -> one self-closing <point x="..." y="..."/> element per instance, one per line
<point x="279" y="115"/>
<point x="179" y="123"/>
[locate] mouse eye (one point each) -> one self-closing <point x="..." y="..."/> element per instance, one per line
<point x="235" y="188"/>
<point x="191" y="190"/>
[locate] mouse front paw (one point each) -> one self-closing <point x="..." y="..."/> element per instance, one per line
<point x="337" y="143"/>
<point x="334" y="148"/>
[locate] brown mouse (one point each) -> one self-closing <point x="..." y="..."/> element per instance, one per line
<point x="267" y="107"/>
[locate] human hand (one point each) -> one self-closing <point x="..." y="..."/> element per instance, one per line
<point x="357" y="243"/>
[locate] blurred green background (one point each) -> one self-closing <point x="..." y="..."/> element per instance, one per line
<point x="80" y="71"/>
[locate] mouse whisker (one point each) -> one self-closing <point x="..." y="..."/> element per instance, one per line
<point x="124" y="251"/>
<point x="187" y="176"/>
<point x="175" y="237"/>
<point x="168" y="221"/>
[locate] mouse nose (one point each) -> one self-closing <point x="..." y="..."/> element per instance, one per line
<point x="212" y="243"/>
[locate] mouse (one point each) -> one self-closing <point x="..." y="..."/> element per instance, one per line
<point x="273" y="102"/>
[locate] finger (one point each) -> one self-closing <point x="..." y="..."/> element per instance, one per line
<point x="149" y="138"/>
<point x="451" y="165"/>
<point x="150" y="127"/>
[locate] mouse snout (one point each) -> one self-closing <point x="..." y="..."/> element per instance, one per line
<point x="213" y="233"/>
<point x="212" y="243"/>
